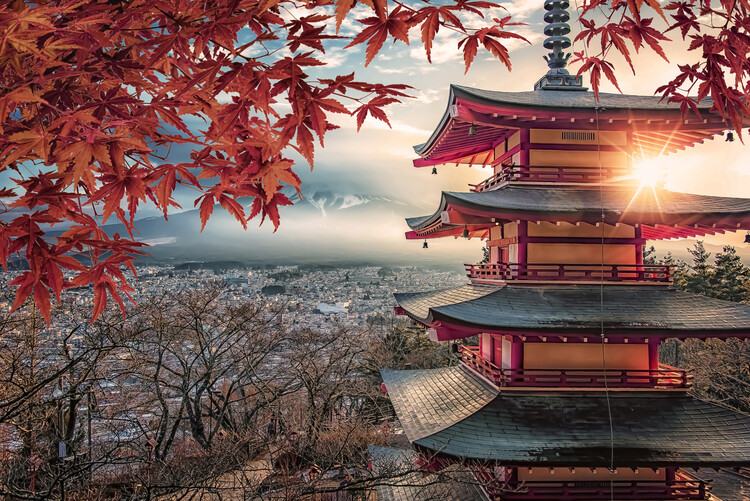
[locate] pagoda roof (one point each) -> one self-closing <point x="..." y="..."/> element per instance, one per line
<point x="408" y="484"/>
<point x="620" y="204"/>
<point x="565" y="429"/>
<point x="563" y="99"/>
<point x="496" y="115"/>
<point x="627" y="309"/>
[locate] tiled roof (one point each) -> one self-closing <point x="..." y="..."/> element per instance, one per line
<point x="564" y="101"/>
<point x="453" y="483"/>
<point x="568" y="429"/>
<point x="567" y="100"/>
<point x="451" y="394"/>
<point x="576" y="308"/>
<point x="620" y="204"/>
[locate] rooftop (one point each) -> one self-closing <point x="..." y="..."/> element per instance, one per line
<point x="628" y="205"/>
<point x="565" y="429"/>
<point x="564" y="309"/>
<point x="496" y="114"/>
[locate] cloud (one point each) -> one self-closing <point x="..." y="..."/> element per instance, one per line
<point x="334" y="58"/>
<point x="160" y="241"/>
<point x="348" y="122"/>
<point x="226" y="97"/>
<point x="444" y="48"/>
<point x="391" y="71"/>
<point x="521" y="9"/>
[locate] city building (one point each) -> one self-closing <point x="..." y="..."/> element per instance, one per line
<point x="564" y="396"/>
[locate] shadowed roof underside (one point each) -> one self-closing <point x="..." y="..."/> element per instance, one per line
<point x="496" y="115"/>
<point x="552" y="429"/>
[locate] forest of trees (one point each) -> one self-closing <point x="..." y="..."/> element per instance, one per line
<point x="192" y="395"/>
<point x="721" y="367"/>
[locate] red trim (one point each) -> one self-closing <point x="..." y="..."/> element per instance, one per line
<point x="584" y="117"/>
<point x="475" y="231"/>
<point x="584" y="240"/>
<point x="623" y="490"/>
<point x="663" y="376"/>
<point x="708" y="219"/>
<point x="571" y="272"/>
<point x="447" y="330"/>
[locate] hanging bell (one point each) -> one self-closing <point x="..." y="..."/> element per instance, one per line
<point x="472" y="130"/>
<point x="434" y="171"/>
<point x="424" y="245"/>
<point x="465" y="234"/>
<point x="747" y="237"/>
<point x="730" y="137"/>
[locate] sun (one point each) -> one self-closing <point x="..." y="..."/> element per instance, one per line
<point x="649" y="172"/>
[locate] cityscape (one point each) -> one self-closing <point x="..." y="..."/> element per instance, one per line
<point x="312" y="296"/>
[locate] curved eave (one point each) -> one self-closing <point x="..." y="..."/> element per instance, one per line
<point x="556" y="100"/>
<point x="498" y="114"/>
<point x="450" y="411"/>
<point x="574" y="309"/>
<point x="688" y="215"/>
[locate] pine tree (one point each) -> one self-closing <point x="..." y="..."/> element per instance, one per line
<point x="649" y="255"/>
<point x="731" y="278"/>
<point x="700" y="281"/>
<point x="485" y="255"/>
<point x="679" y="270"/>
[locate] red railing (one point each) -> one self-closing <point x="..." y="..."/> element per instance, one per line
<point x="569" y="272"/>
<point x="678" y="489"/>
<point x="470" y="356"/>
<point x="664" y="377"/>
<point x="549" y="174"/>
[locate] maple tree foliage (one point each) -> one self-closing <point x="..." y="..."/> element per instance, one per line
<point x="94" y="94"/>
<point x="717" y="35"/>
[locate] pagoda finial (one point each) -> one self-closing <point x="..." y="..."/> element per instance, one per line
<point x="557" y="29"/>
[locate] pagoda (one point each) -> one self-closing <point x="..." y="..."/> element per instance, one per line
<point x="564" y="396"/>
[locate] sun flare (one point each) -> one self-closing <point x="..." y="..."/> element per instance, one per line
<point x="649" y="172"/>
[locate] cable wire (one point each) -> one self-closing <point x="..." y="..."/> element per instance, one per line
<point x="602" y="335"/>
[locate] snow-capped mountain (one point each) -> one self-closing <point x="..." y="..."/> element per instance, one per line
<point x="322" y="226"/>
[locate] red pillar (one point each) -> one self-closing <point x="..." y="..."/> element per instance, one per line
<point x="523" y="232"/>
<point x="671" y="474"/>
<point x="516" y="353"/>
<point x="653" y="354"/>
<point x="524" y="140"/>
<point x="638" y="246"/>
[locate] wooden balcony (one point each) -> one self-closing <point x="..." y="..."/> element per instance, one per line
<point x="524" y="173"/>
<point x="644" y="490"/>
<point x="665" y="377"/>
<point x="505" y="272"/>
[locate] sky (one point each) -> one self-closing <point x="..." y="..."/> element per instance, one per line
<point x="373" y="167"/>
<point x="377" y="160"/>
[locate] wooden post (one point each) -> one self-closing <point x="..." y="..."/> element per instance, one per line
<point x="638" y="247"/>
<point x="524" y="138"/>
<point x="523" y="232"/>
<point x="653" y="354"/>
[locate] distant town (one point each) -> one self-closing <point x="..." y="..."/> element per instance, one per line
<point x="314" y="296"/>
